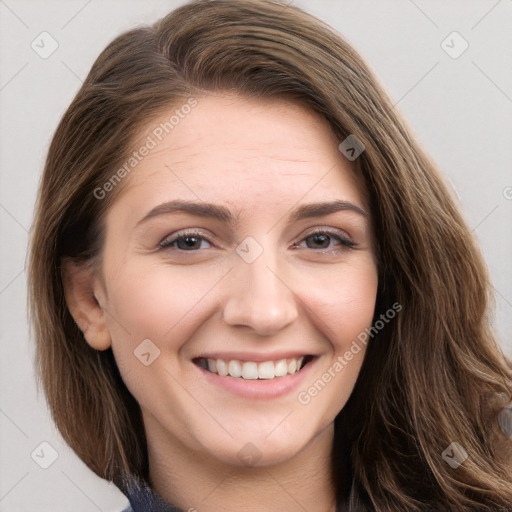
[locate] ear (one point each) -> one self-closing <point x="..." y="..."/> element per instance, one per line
<point x="85" y="295"/>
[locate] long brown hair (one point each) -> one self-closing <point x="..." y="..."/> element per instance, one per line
<point x="433" y="376"/>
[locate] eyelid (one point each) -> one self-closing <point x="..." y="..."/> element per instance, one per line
<point x="324" y="229"/>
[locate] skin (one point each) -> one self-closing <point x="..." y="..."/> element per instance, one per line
<point x="263" y="159"/>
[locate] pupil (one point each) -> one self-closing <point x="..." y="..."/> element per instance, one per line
<point x="190" y="241"/>
<point x="319" y="239"/>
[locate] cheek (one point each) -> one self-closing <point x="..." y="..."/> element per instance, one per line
<point x="163" y="305"/>
<point x="342" y="305"/>
<point x="157" y="302"/>
<point x="343" y="302"/>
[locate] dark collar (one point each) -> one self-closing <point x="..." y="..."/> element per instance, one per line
<point x="143" y="498"/>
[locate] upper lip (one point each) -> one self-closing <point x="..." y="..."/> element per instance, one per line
<point x="254" y="356"/>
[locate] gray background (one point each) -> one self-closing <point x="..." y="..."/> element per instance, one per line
<point x="459" y="108"/>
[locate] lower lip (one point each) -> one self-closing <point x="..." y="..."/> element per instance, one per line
<point x="263" y="389"/>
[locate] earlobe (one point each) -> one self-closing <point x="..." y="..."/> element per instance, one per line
<point x="80" y="283"/>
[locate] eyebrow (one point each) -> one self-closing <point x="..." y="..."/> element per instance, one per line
<point x="225" y="215"/>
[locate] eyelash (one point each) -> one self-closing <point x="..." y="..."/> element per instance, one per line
<point x="169" y="242"/>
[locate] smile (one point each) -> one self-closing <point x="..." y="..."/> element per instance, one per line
<point x="251" y="370"/>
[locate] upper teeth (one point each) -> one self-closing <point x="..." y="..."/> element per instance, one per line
<point x="252" y="370"/>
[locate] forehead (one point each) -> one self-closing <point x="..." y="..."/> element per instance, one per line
<point x="243" y="151"/>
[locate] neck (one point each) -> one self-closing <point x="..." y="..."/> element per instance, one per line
<point x="193" y="481"/>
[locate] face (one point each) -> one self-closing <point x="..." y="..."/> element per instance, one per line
<point x="227" y="311"/>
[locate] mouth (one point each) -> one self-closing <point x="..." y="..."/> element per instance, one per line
<point x="254" y="370"/>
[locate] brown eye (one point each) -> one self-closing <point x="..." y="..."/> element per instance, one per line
<point x="190" y="241"/>
<point x="319" y="239"/>
<point x="324" y="240"/>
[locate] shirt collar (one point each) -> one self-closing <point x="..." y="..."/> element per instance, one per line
<point x="143" y="498"/>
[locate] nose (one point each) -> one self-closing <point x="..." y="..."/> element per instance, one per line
<point x="259" y="298"/>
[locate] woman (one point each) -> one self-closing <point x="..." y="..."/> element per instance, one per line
<point x="250" y="287"/>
